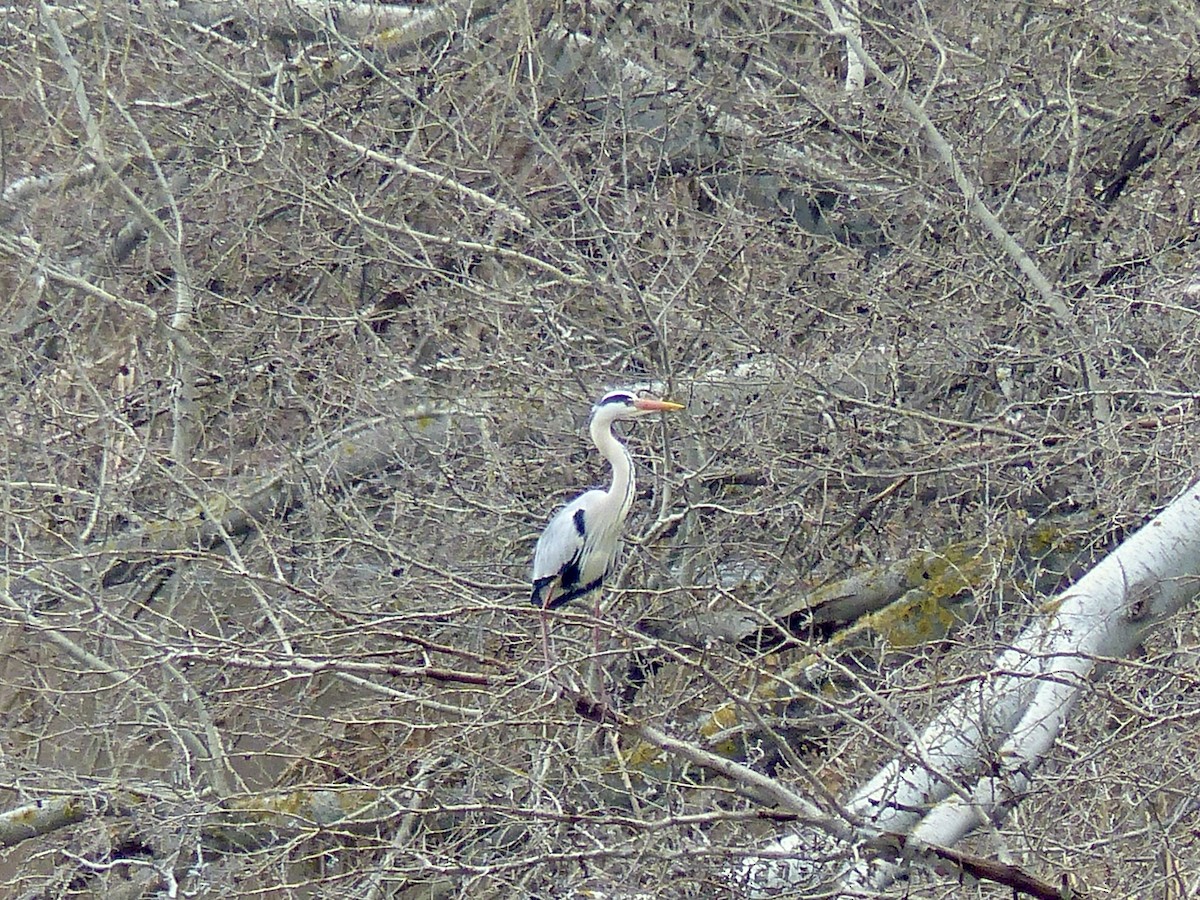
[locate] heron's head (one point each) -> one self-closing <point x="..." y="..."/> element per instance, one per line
<point x="630" y="404"/>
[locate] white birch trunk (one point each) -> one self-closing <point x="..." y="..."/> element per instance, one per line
<point x="945" y="783"/>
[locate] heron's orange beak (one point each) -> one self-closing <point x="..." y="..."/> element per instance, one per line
<point x="656" y="405"/>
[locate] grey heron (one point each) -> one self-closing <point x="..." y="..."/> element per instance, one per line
<point x="577" y="550"/>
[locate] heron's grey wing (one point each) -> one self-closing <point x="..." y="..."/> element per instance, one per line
<point x="558" y="555"/>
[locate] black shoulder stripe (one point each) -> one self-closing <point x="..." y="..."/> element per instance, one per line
<point x="579" y="524"/>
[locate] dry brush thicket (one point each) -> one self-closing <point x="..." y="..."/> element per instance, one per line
<point x="303" y="316"/>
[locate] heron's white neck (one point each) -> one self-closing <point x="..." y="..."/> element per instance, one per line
<point x="620" y="493"/>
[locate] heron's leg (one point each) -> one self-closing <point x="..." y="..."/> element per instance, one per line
<point x="543" y="616"/>
<point x="557" y="675"/>
<point x="546" y="651"/>
<point x="596" y="668"/>
<point x="596" y="627"/>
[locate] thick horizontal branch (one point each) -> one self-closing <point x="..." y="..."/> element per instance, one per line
<point x="899" y="846"/>
<point x="310" y="666"/>
<point x="42" y="817"/>
<point x="766" y="789"/>
<point x="241" y="823"/>
<point x="333" y="466"/>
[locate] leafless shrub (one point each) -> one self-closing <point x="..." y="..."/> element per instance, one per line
<point x="498" y="211"/>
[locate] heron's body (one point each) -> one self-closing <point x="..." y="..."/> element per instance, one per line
<point x="557" y="581"/>
<point x="577" y="550"/>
